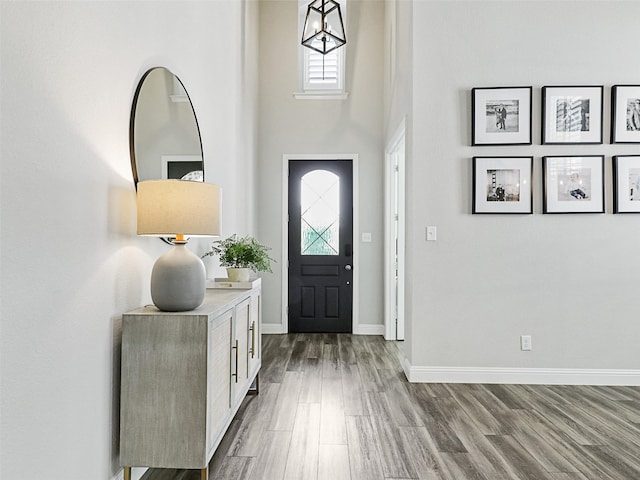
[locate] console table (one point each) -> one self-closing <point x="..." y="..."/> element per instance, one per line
<point x="184" y="376"/>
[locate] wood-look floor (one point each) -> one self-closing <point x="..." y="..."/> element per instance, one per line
<point x="335" y="407"/>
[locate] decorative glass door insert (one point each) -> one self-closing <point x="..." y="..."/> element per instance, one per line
<point x="320" y="215"/>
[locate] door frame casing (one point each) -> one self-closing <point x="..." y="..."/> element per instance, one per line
<point x="393" y="330"/>
<point x="284" y="326"/>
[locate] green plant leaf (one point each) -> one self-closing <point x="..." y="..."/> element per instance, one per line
<point x="245" y="252"/>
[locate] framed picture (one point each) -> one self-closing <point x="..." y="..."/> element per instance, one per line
<point x="502" y="185"/>
<point x="625" y="114"/>
<point x="501" y="116"/>
<point x="182" y="167"/>
<point x="572" y="115"/>
<point x="626" y="184"/>
<point x="573" y="184"/>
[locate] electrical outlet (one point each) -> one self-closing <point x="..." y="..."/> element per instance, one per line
<point x="525" y="343"/>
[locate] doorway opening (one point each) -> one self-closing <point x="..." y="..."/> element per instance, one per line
<point x="394" y="273"/>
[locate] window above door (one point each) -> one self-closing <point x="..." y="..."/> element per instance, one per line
<point x="320" y="77"/>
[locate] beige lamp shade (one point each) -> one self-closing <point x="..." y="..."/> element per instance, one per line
<point x="178" y="207"/>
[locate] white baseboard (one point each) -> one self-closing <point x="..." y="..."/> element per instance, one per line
<point x="369" y="329"/>
<point x="363" y="329"/>
<point x="545" y="376"/>
<point x="272" y="329"/>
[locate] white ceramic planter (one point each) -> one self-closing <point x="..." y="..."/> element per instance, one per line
<point x="238" y="274"/>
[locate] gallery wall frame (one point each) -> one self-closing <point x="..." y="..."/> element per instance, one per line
<point x="625" y="114"/>
<point x="501" y="115"/>
<point x="573" y="184"/>
<point x="626" y="184"/>
<point x="502" y="185"/>
<point x="572" y="114"/>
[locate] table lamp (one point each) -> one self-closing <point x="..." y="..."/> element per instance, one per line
<point x="177" y="208"/>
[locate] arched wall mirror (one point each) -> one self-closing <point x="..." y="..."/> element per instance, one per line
<point x="164" y="137"/>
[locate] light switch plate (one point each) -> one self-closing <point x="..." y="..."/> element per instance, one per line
<point x="432" y="234"/>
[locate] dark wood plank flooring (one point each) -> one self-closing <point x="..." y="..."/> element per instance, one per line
<point x="335" y="407"/>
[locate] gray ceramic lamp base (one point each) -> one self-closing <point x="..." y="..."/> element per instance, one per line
<point x="178" y="280"/>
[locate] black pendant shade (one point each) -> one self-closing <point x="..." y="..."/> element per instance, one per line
<point x="323" y="27"/>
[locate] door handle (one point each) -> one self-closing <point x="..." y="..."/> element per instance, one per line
<point x="347" y="268"/>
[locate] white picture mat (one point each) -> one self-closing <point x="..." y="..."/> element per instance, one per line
<point x="624" y="167"/>
<point x="482" y="167"/>
<point x="557" y="166"/>
<point x="482" y="96"/>
<point x="167" y="159"/>
<point x="623" y="94"/>
<point x="551" y="97"/>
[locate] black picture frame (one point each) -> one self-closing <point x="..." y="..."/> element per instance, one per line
<point x="573" y="184"/>
<point x="502" y="185"/>
<point x="182" y="167"/>
<point x="572" y="115"/>
<point x="626" y="184"/>
<point x="625" y="114"/>
<point x="501" y="116"/>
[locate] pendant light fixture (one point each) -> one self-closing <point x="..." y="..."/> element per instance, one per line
<point x="323" y="27"/>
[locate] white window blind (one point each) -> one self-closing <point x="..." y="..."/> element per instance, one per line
<point x="322" y="71"/>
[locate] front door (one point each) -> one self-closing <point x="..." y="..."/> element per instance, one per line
<point x="320" y="245"/>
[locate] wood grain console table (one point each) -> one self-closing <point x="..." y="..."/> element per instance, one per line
<point x="184" y="376"/>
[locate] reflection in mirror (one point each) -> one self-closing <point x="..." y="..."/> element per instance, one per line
<point x="164" y="135"/>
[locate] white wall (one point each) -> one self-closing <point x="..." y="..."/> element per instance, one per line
<point x="71" y="262"/>
<point x="352" y="126"/>
<point x="570" y="281"/>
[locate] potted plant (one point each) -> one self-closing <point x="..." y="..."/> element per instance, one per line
<point x="240" y="256"/>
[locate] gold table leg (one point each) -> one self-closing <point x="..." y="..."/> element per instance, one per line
<point x="127" y="473"/>
<point x="204" y="473"/>
<point x="255" y="387"/>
